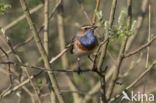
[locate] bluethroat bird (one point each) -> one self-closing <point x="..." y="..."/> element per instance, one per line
<point x="84" y="42"/>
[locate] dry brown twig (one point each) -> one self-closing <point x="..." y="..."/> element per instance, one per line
<point x="9" y="72"/>
<point x="65" y="70"/>
<point x="121" y="54"/>
<point x="140" y="48"/>
<point x="103" y="52"/>
<point x="53" y="59"/>
<point x="42" y="51"/>
<point x="19" y="59"/>
<point x="140" y="20"/>
<point x="46" y="25"/>
<point x="13" y="23"/>
<point x="147" y="70"/>
<point x="65" y="51"/>
<point x="29" y="39"/>
<point x="64" y="59"/>
<point x="125" y="55"/>
<point x="96" y="88"/>
<point x="9" y="69"/>
<point x="46" y="43"/>
<point x="135" y="81"/>
<point x="96" y="9"/>
<point x="54" y="9"/>
<point x="20" y="85"/>
<point x="23" y="87"/>
<point x="84" y="11"/>
<point x="148" y="40"/>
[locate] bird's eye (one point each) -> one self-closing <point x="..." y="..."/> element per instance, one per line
<point x="85" y="28"/>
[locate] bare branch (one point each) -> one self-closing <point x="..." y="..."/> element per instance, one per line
<point x="140" y="20"/>
<point x="20" y="85"/>
<point x="96" y="9"/>
<point x="41" y="50"/>
<point x="104" y="50"/>
<point x="13" y="23"/>
<point x="135" y="81"/>
<point x="140" y="48"/>
<point x="121" y="54"/>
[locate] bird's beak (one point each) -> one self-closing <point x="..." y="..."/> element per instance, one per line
<point x="94" y="27"/>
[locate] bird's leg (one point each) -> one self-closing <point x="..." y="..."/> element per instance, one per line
<point x="78" y="61"/>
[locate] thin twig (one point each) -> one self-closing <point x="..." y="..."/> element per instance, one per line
<point x="45" y="69"/>
<point x="29" y="93"/>
<point x="41" y="50"/>
<point x="132" y="65"/>
<point x="60" y="22"/>
<point x="24" y="87"/>
<point x="84" y="11"/>
<point x="64" y="59"/>
<point x="135" y="81"/>
<point x="54" y="9"/>
<point x="96" y="88"/>
<point x="19" y="45"/>
<point x="104" y="50"/>
<point x="140" y="48"/>
<point x="20" y="61"/>
<point x="9" y="71"/>
<point x="51" y="14"/>
<point x="46" y="44"/>
<point x="91" y="92"/>
<point x="140" y="20"/>
<point x="19" y="85"/>
<point x="148" y="40"/>
<point x="53" y="59"/>
<point x="117" y="68"/>
<point x="96" y="9"/>
<point x="46" y="25"/>
<point x="9" y="44"/>
<point x="121" y="54"/>
<point x="13" y="23"/>
<point x="97" y="53"/>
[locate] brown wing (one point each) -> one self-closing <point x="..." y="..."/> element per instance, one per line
<point x="72" y="44"/>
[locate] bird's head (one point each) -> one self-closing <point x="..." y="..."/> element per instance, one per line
<point x="86" y="29"/>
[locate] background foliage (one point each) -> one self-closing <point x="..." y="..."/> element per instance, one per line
<point x="73" y="18"/>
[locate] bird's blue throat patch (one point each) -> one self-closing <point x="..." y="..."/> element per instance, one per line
<point x="89" y="40"/>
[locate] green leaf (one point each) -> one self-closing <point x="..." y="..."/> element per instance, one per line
<point x="134" y="24"/>
<point x="39" y="81"/>
<point x="98" y="14"/>
<point x="18" y="93"/>
<point x="40" y="59"/>
<point x="3" y="31"/>
<point x="4" y="7"/>
<point x="121" y="18"/>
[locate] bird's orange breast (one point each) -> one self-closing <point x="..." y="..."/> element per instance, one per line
<point x="81" y="47"/>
